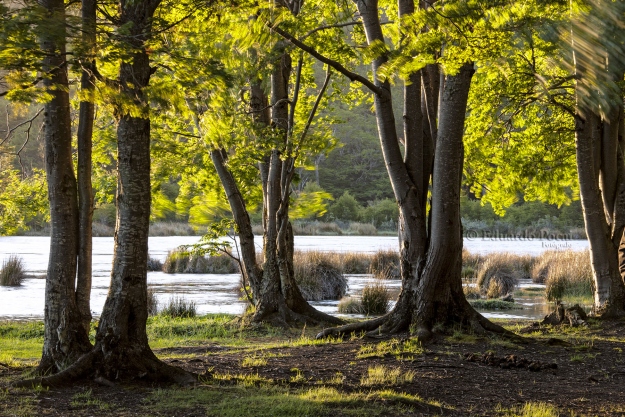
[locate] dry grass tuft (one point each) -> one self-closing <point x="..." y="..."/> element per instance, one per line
<point x="180" y="307"/>
<point x="385" y="265"/>
<point x="499" y="273"/>
<point x="319" y="275"/>
<point x="152" y="303"/>
<point x="12" y="272"/>
<point x="569" y="274"/>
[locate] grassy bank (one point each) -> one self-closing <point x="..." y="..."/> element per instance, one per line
<point x="265" y="371"/>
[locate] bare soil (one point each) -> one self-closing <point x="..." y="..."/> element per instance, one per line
<point x="580" y="372"/>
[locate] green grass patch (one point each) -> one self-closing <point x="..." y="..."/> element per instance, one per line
<point x="394" y="347"/>
<point x="270" y="401"/>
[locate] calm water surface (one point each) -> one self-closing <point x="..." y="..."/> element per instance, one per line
<point x="216" y="293"/>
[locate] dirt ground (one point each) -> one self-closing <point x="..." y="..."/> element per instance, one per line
<point x="578" y="371"/>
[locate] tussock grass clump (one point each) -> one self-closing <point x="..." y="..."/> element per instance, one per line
<point x="180" y="307"/>
<point x="471" y="260"/>
<point x="569" y="275"/>
<point x="375" y="299"/>
<point x="350" y="305"/>
<point x="180" y="261"/>
<point x="385" y="265"/>
<point x="495" y="305"/>
<point x="154" y="264"/>
<point x="319" y="276"/>
<point x="500" y="273"/>
<point x="152" y="303"/>
<point x="355" y="263"/>
<point x="12" y="272"/>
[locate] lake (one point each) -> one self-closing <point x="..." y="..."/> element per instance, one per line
<point x="215" y="293"/>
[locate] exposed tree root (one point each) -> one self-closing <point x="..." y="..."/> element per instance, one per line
<point x="281" y="315"/>
<point x="394" y="322"/>
<point x="124" y="364"/>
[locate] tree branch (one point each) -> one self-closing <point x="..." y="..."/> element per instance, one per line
<point x="330" y="62"/>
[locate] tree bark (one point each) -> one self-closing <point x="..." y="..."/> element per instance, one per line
<point x="85" y="189"/>
<point x="65" y="339"/>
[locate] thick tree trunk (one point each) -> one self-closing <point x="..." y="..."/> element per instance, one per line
<point x="604" y="242"/>
<point x="121" y="337"/>
<point x="64" y="339"/>
<point x="85" y="189"/>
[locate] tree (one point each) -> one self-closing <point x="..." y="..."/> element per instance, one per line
<point x="600" y="142"/>
<point x="430" y="244"/>
<point x="277" y="136"/>
<point x="121" y="347"/>
<point x="65" y="337"/>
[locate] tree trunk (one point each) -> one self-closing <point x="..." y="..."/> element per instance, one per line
<point x="64" y="339"/>
<point x="604" y="243"/>
<point x="85" y="189"/>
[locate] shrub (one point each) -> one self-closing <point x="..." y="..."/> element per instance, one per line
<point x="180" y="261"/>
<point x="152" y="303"/>
<point x="381" y="212"/>
<point x="375" y="299"/>
<point x="105" y="214"/>
<point x="319" y="276"/>
<point x="500" y="273"/>
<point x="171" y="229"/>
<point x="385" y="265"/>
<point x="346" y="208"/>
<point x="180" y="307"/>
<point x="12" y="272"/>
<point x="154" y="264"/>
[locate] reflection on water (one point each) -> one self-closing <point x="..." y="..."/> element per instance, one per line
<point x="219" y="293"/>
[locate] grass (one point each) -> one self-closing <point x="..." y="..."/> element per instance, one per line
<point x="381" y="375"/>
<point x="180" y="307"/>
<point x="12" y="272"/>
<point x="400" y="349"/>
<point x="87" y="399"/>
<point x="375" y="300"/>
<point x="569" y="277"/>
<point x="152" y="303"/>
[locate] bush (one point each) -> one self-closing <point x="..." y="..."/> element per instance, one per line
<point x="346" y="208"/>
<point x="375" y="299"/>
<point x="180" y="261"/>
<point x="12" y="272"/>
<point x="180" y="307"/>
<point x="500" y="273"/>
<point x="381" y="212"/>
<point x="319" y="276"/>
<point x="385" y="265"/>
<point x="152" y="303"/>
<point x="154" y="264"/>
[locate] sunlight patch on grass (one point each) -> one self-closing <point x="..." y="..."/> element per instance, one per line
<point x="405" y="349"/>
<point x="381" y="375"/>
<point x="87" y="399"/>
